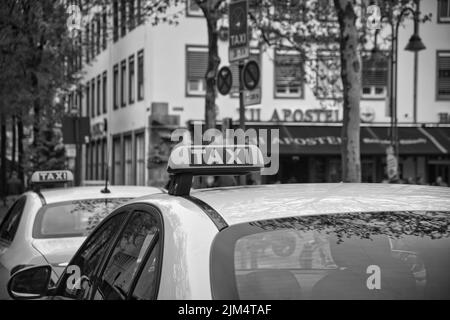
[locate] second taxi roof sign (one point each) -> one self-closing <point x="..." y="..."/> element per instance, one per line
<point x="238" y="39"/>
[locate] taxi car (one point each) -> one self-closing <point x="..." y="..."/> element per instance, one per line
<point x="48" y="226"/>
<point x="298" y="241"/>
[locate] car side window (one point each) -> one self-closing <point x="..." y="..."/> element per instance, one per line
<point x="139" y="236"/>
<point x="9" y="225"/>
<point x="77" y="281"/>
<point x="146" y="284"/>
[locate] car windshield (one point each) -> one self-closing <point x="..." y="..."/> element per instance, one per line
<point x="73" y="219"/>
<point x="388" y="255"/>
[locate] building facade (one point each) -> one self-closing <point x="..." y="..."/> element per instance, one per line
<point x="141" y="81"/>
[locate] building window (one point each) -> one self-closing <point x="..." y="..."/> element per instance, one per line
<point x="123" y="18"/>
<point x="80" y="51"/>
<point x="93" y="98"/>
<point x="128" y="163"/>
<point x="123" y="81"/>
<point x="115" y="20"/>
<point x="139" y="11"/>
<point x="284" y="9"/>
<point x="88" y="99"/>
<point x="104" y="158"/>
<point x="326" y="11"/>
<point x="192" y="9"/>
<point x="80" y="100"/>
<point x="140" y="159"/>
<point x="196" y="64"/>
<point x="91" y="161"/>
<point x="443" y="75"/>
<point x="374" y="78"/>
<point x="100" y="159"/>
<point x="105" y="92"/>
<point x="131" y="80"/>
<point x="104" y="29"/>
<point x="99" y="94"/>
<point x="88" y="162"/>
<point x="92" y="44"/>
<point x="95" y="164"/>
<point x="255" y="56"/>
<point x="116" y="87"/>
<point x="117" y="161"/>
<point x="444" y="11"/>
<point x="141" y="75"/>
<point x="288" y="74"/>
<point x="88" y="39"/>
<point x="131" y="14"/>
<point x="99" y="34"/>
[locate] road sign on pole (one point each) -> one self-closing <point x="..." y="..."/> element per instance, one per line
<point x="251" y="75"/>
<point x="224" y="80"/>
<point x="253" y="97"/>
<point x="238" y="38"/>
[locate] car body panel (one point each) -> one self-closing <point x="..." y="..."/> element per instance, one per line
<point x="57" y="251"/>
<point x="246" y="204"/>
<point x="188" y="235"/>
<point x="189" y="232"/>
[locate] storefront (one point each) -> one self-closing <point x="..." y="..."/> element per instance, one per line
<point x="311" y="153"/>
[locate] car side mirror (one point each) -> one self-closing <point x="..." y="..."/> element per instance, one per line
<point x="30" y="283"/>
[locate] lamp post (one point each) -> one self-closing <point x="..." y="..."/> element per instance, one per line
<point x="415" y="44"/>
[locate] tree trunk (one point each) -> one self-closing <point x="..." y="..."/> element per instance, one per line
<point x="20" y="138"/>
<point x="3" y="168"/>
<point x="351" y="80"/>
<point x="36" y="111"/>
<point x="14" y="144"/>
<point x="211" y="14"/>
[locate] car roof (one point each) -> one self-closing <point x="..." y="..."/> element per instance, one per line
<point x="94" y="192"/>
<point x="251" y="203"/>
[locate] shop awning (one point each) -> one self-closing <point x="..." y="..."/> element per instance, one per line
<point x="441" y="137"/>
<point x="326" y="140"/>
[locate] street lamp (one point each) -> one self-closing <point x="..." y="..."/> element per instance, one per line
<point x="415" y="44"/>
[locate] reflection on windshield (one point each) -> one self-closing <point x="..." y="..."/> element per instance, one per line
<point x="73" y="219"/>
<point x="392" y="255"/>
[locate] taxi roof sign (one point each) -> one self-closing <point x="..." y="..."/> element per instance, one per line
<point x="196" y="160"/>
<point x="215" y="159"/>
<point x="51" y="177"/>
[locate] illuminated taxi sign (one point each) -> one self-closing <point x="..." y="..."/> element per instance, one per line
<point x="215" y="159"/>
<point x="57" y="176"/>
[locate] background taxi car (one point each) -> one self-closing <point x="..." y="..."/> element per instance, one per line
<point x="303" y="241"/>
<point x="48" y="226"/>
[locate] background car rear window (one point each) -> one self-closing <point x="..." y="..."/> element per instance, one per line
<point x="8" y="227"/>
<point x="391" y="255"/>
<point x="74" y="218"/>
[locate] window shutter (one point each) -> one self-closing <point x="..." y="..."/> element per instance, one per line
<point x="288" y="70"/>
<point x="444" y="75"/>
<point x="197" y="62"/>
<point x="193" y="6"/>
<point x="374" y="73"/>
<point x="444" y="8"/>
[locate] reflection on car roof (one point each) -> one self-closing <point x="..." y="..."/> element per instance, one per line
<point x="79" y="193"/>
<point x="245" y="204"/>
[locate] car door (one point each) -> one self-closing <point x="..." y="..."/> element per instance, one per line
<point x="8" y="230"/>
<point x="77" y="281"/>
<point x="132" y="269"/>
